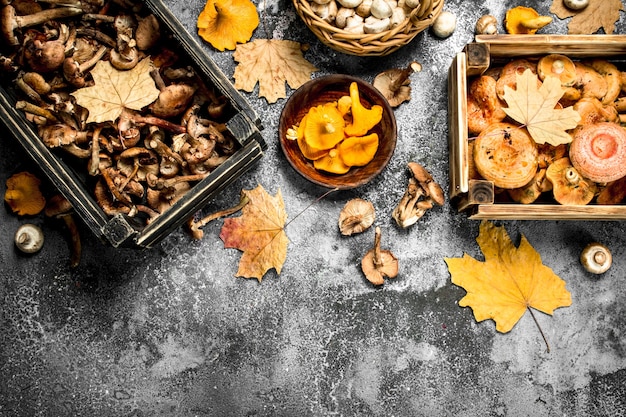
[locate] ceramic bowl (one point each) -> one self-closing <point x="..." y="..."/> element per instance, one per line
<point x="327" y="89"/>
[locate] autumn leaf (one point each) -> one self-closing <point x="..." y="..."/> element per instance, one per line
<point x="510" y="281"/>
<point x="535" y="109"/>
<point x="114" y="90"/>
<point x="259" y="233"/>
<point x="598" y="14"/>
<point x="271" y="63"/>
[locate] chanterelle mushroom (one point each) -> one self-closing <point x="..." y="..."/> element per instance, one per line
<point x="356" y="216"/>
<point x="421" y="194"/>
<point x="378" y="264"/>
<point x="524" y="20"/>
<point x="23" y="194"/>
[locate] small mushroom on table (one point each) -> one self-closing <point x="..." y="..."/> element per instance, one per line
<point x="421" y="195"/>
<point x="23" y="194"/>
<point x="29" y="238"/>
<point x="394" y="83"/>
<point x="378" y="264"/>
<point x="596" y="258"/>
<point x="59" y="207"/>
<point x="356" y="216"/>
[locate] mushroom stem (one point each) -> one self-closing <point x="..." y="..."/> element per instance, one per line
<point x="404" y="75"/>
<point x="11" y="21"/>
<point x="194" y="226"/>
<point x="377" y="258"/>
<point x="29" y="107"/>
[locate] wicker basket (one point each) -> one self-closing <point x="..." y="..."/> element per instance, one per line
<point x="377" y="44"/>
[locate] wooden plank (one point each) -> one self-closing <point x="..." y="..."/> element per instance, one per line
<point x="548" y="212"/>
<point x="457" y="122"/>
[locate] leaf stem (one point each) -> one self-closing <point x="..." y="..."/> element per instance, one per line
<point x="539" y="327"/>
<point x="307" y="207"/>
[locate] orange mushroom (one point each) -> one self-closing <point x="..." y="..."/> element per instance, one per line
<point x="524" y="20"/>
<point x="506" y="155"/>
<point x="378" y="264"/>
<point x="358" y="150"/>
<point x="307" y="150"/>
<point x="483" y="105"/>
<point x="598" y="151"/>
<point x="23" y="194"/>
<point x="324" y="127"/>
<point x="557" y="65"/>
<point x="332" y="163"/>
<point x="363" y="119"/>
<point x="224" y="23"/>
<point x="568" y="186"/>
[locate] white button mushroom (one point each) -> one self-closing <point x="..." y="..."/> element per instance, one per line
<point x="576" y="4"/>
<point x="487" y="25"/>
<point x="29" y="238"/>
<point x="350" y="3"/>
<point x="375" y="25"/>
<point x="341" y="20"/>
<point x="397" y="17"/>
<point x="380" y="9"/>
<point x="364" y="8"/>
<point x="326" y="12"/>
<point x="596" y="258"/>
<point x="444" y="24"/>
<point x="412" y="4"/>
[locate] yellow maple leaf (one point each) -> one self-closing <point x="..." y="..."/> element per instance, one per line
<point x="271" y="63"/>
<point x="114" y="90"/>
<point x="535" y="109"/>
<point x="598" y="14"/>
<point x="510" y="281"/>
<point x="259" y="233"/>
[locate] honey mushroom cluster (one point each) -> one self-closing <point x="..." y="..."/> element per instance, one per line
<point x="365" y="16"/>
<point x="143" y="162"/>
<point x="590" y="168"/>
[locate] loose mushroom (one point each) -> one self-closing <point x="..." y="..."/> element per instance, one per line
<point x="420" y="196"/>
<point x="524" y="20"/>
<point x="29" y="238"/>
<point x="356" y="216"/>
<point x="576" y="4"/>
<point x="568" y="186"/>
<point x="23" y="194"/>
<point x="378" y="264"/>
<point x="596" y="258"/>
<point x="59" y="207"/>
<point x="444" y="25"/>
<point x="598" y="151"/>
<point x="394" y="83"/>
<point x="506" y="155"/>
<point x="487" y="25"/>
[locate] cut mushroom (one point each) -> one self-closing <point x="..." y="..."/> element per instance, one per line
<point x="596" y="258"/>
<point x="59" y="207"/>
<point x="486" y="25"/>
<point x="356" y="216"/>
<point x="378" y="264"/>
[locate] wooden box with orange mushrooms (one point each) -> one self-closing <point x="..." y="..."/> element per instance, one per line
<point x="537" y="127"/>
<point x="124" y="112"/>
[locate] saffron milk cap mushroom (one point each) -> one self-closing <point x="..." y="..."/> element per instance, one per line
<point x="568" y="186"/>
<point x="557" y="65"/>
<point x="598" y="151"/>
<point x="506" y="155"/>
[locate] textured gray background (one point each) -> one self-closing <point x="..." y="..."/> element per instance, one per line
<point x="172" y="332"/>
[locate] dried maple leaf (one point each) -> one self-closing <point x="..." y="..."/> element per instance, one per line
<point x="259" y="233"/>
<point x="272" y="63"/>
<point x="535" y="109"/>
<point x="598" y="14"/>
<point x="510" y="281"/>
<point x="114" y="90"/>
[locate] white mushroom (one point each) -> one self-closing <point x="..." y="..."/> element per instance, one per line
<point x="341" y="20"/>
<point x="397" y="17"/>
<point x="364" y="8"/>
<point x="29" y="238"/>
<point x="576" y="4"/>
<point x="326" y="12"/>
<point x="381" y="9"/>
<point x="350" y="3"/>
<point x="321" y="1"/>
<point x="596" y="258"/>
<point x="444" y="24"/>
<point x="354" y="21"/>
<point x="412" y="4"/>
<point x="375" y="25"/>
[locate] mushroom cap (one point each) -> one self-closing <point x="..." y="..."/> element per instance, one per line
<point x="23" y="194"/>
<point x="358" y="150"/>
<point x="524" y="20"/>
<point x="324" y="126"/>
<point x="506" y="155"/>
<point x="484" y="107"/>
<point x="530" y="192"/>
<point x="57" y="205"/>
<point x="384" y="82"/>
<point x="388" y="266"/>
<point x="568" y="186"/>
<point x="356" y="216"/>
<point x="557" y="65"/>
<point x="596" y="258"/>
<point x="598" y="151"/>
<point x="29" y="238"/>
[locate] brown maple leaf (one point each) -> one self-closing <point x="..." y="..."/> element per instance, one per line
<point x="535" y="109"/>
<point x="271" y="63"/>
<point x="259" y="233"/>
<point x="115" y="90"/>
<point x="510" y="281"/>
<point x="598" y="14"/>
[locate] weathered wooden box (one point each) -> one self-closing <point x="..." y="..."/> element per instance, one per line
<point x="121" y="230"/>
<point x="478" y="197"/>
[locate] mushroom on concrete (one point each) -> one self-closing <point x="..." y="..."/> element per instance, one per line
<point x="59" y="207"/>
<point x="29" y="238"/>
<point x="356" y="216"/>
<point x="444" y="25"/>
<point x="524" y="20"/>
<point x="596" y="258"/>
<point x="378" y="264"/>
<point x="420" y="196"/>
<point x="394" y="83"/>
<point x="486" y="25"/>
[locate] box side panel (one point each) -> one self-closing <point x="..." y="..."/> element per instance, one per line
<point x="547" y="212"/>
<point x="457" y="126"/>
<point x="574" y="46"/>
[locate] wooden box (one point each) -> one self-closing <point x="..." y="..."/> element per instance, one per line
<point x="122" y="230"/>
<point x="478" y="197"/>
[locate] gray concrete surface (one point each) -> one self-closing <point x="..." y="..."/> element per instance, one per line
<point x="172" y="332"/>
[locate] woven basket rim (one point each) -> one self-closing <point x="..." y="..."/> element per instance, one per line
<point x="376" y="44"/>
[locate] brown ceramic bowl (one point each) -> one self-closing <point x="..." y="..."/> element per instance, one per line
<point x="327" y="89"/>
